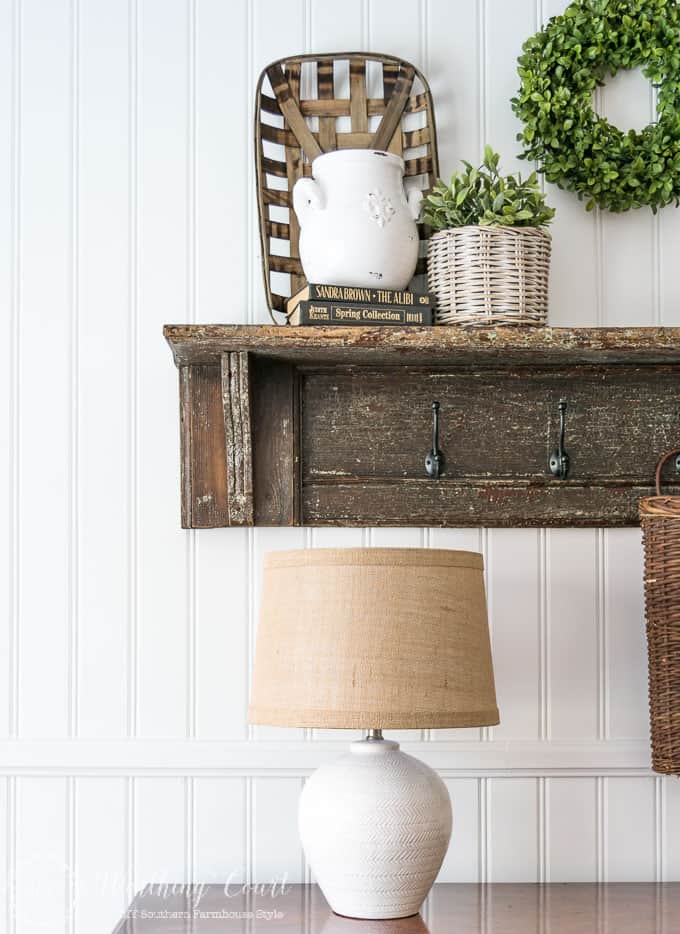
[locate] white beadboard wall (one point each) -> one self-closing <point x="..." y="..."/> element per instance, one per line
<point x="127" y="202"/>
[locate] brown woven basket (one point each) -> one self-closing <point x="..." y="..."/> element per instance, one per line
<point x="660" y="519"/>
<point x="490" y="275"/>
<point x="310" y="104"/>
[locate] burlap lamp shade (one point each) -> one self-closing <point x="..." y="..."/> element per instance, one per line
<point x="373" y="638"/>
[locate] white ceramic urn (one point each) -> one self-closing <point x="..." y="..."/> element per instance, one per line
<point x="375" y="826"/>
<point x="357" y="224"/>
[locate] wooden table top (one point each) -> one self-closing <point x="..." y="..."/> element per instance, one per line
<point x="574" y="908"/>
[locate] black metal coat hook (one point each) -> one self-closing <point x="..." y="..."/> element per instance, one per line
<point x="559" y="459"/>
<point x="434" y="462"/>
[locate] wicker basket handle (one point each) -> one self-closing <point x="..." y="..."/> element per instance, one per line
<point x="660" y="466"/>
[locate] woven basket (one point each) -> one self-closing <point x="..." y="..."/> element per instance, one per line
<point x="490" y="275"/>
<point x="660" y="519"/>
<point x="309" y="104"/>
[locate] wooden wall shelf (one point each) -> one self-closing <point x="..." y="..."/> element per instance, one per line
<point x="331" y="426"/>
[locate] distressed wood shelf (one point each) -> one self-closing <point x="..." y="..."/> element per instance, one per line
<point x="331" y="426"/>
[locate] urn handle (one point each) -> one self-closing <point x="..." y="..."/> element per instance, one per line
<point x="307" y="197"/>
<point x="414" y="198"/>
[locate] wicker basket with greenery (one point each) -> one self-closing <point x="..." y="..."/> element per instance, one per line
<point x="488" y="258"/>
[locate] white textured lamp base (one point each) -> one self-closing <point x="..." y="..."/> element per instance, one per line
<point x="375" y="826"/>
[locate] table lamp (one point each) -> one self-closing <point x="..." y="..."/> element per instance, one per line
<point x="373" y="639"/>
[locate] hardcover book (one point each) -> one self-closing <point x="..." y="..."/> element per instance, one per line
<point x="359" y="295"/>
<point x="311" y="312"/>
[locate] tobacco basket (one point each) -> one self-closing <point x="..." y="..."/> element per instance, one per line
<point x="310" y="104"/>
<point x="660" y="520"/>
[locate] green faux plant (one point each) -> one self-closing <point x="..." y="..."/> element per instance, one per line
<point x="562" y="66"/>
<point x="483" y="197"/>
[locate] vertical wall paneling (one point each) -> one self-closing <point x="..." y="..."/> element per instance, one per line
<point x="453" y="44"/>
<point x="265" y="540"/>
<point x="626" y="659"/>
<point x="161" y="831"/>
<point x="223" y="92"/>
<point x="333" y="33"/>
<point x="513" y="561"/>
<point x="573" y="299"/>
<point x="462" y="862"/>
<point x="46" y="349"/>
<point x="8" y="230"/>
<point x="277" y="854"/>
<point x="507" y="25"/>
<point x="103" y="283"/>
<point x="513" y="856"/>
<point x="222" y="603"/>
<point x="5" y="847"/>
<point x="464" y="540"/>
<point x="219" y="830"/>
<point x="127" y="201"/>
<point x="395" y="28"/>
<point x="396" y="538"/>
<point x="669" y="283"/>
<point x="164" y="549"/>
<point x="42" y="870"/>
<point x="337" y="538"/>
<point x="628" y="272"/>
<point x="576" y="244"/>
<point x="277" y="30"/>
<point x="571" y="823"/>
<point x="100" y="853"/>
<point x="573" y="648"/>
<point x="631" y="825"/>
<point x="513" y="582"/>
<point x="670" y="850"/>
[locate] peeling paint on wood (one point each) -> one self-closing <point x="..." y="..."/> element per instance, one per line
<point x="452" y="346"/>
<point x="238" y="438"/>
<point x="330" y="426"/>
<point x="203" y="461"/>
<point x="451" y="504"/>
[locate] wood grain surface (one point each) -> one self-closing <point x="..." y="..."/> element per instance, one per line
<point x="494" y="424"/>
<point x="624" y="908"/>
<point x="447" y="346"/>
<point x="307" y="439"/>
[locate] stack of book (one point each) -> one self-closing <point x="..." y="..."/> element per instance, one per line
<point x="354" y="305"/>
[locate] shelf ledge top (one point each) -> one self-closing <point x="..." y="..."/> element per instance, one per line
<point x="420" y="346"/>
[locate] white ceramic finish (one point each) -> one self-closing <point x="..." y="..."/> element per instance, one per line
<point x="357" y="225"/>
<point x="375" y="826"/>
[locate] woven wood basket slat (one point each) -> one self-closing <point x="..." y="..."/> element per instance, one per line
<point x="490" y="275"/>
<point x="660" y="520"/>
<point x="298" y="116"/>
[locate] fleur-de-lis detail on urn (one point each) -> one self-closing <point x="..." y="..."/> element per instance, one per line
<point x="379" y="207"/>
<point x="349" y="199"/>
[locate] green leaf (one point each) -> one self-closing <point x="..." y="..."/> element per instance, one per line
<point x="483" y="196"/>
<point x="572" y="146"/>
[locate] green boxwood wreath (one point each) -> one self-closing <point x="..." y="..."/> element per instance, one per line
<point x="562" y="65"/>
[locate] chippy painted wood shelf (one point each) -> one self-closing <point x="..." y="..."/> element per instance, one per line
<point x="331" y="426"/>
